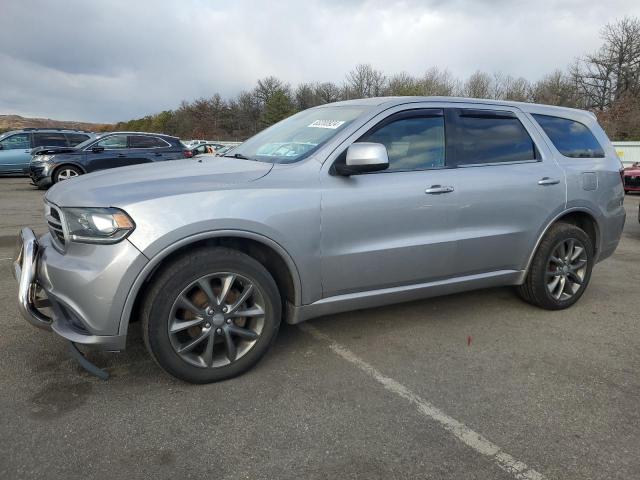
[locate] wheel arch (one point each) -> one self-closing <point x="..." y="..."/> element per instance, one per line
<point x="263" y="249"/>
<point x="581" y="217"/>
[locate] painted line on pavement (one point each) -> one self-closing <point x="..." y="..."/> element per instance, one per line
<point x="472" y="439"/>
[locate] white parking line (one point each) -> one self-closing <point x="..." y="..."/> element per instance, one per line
<point x="6" y="259"/>
<point x="463" y="433"/>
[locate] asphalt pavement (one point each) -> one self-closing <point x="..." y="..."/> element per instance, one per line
<point x="470" y="386"/>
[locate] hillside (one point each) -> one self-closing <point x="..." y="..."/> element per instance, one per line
<point x="14" y="122"/>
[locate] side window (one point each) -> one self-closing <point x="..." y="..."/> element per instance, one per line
<point x="141" y="141"/>
<point x="49" y="140"/>
<point x="16" y="142"/>
<point x="414" y="141"/>
<point x="76" y="138"/>
<point x="489" y="136"/>
<point x="572" y="139"/>
<point x="113" y="142"/>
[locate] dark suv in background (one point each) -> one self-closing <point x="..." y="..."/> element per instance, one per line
<point x="117" y="149"/>
<point x="16" y="146"/>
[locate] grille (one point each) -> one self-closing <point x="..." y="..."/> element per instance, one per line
<point x="632" y="181"/>
<point x="54" y="221"/>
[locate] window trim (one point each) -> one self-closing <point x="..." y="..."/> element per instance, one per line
<point x="452" y="115"/>
<point x="552" y="143"/>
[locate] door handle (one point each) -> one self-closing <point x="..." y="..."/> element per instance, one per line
<point x="121" y="155"/>
<point x="548" y="181"/>
<point x="436" y="189"/>
<point x="157" y="154"/>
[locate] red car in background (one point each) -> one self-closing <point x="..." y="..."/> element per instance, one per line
<point x="631" y="178"/>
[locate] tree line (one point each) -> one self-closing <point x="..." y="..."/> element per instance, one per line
<point x="606" y="82"/>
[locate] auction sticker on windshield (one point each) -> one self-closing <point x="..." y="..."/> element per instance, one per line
<point x="332" y="124"/>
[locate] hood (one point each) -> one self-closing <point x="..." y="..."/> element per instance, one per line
<point x="122" y="186"/>
<point x="633" y="169"/>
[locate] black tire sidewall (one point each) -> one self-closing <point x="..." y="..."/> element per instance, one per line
<point x="560" y="232"/>
<point x="173" y="280"/>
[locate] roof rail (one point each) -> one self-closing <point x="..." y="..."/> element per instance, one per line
<point x="35" y="129"/>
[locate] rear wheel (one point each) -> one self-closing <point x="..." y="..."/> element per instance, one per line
<point x="211" y="315"/>
<point x="561" y="268"/>
<point x="66" y="172"/>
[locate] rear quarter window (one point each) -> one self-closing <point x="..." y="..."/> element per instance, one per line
<point x="76" y="138"/>
<point x="571" y="138"/>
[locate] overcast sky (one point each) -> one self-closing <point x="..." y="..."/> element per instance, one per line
<point x="114" y="60"/>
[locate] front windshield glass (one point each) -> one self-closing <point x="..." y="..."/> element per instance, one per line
<point x="298" y="136"/>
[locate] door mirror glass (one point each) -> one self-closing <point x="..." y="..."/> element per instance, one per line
<point x="364" y="157"/>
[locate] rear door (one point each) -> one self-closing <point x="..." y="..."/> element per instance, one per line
<point x="15" y="153"/>
<point x="508" y="187"/>
<point x="147" y="148"/>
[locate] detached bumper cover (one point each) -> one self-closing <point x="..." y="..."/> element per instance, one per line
<point x="84" y="291"/>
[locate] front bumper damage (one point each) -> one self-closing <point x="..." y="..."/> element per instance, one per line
<point x="76" y="300"/>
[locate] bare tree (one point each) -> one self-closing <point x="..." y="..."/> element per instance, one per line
<point x="403" y="84"/>
<point x="478" y="85"/>
<point x="506" y="87"/>
<point x="556" y="88"/>
<point x="439" y="82"/>
<point x="612" y="71"/>
<point x="327" y="92"/>
<point x="365" y="81"/>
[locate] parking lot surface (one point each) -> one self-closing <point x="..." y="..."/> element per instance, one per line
<point x="417" y="390"/>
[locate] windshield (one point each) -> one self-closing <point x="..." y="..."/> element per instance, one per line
<point x="298" y="136"/>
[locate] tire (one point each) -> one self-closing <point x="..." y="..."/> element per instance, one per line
<point x="187" y="277"/>
<point x="547" y="266"/>
<point x="65" y="172"/>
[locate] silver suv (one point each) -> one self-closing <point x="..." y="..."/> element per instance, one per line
<point x="345" y="206"/>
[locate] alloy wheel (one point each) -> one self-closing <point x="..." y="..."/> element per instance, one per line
<point x="216" y="320"/>
<point x="66" y="174"/>
<point x="566" y="269"/>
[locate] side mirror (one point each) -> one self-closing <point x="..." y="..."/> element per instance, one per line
<point x="364" y="158"/>
<point x="97" y="149"/>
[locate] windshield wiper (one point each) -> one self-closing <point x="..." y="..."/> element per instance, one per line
<point x="238" y="155"/>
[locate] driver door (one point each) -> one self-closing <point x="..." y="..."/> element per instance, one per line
<point x="394" y="227"/>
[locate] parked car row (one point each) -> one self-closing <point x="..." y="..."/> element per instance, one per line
<point x="54" y="164"/>
<point x="49" y="156"/>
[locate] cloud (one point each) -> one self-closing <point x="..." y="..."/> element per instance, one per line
<point x="109" y="61"/>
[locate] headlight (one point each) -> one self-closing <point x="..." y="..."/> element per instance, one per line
<point x="97" y="225"/>
<point x="42" y="158"/>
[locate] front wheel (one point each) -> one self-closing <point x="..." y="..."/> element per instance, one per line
<point x="65" y="173"/>
<point x="211" y="315"/>
<point x="561" y="268"/>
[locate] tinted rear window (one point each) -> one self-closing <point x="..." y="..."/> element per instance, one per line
<point x="139" y="141"/>
<point x="49" y="140"/>
<point x="76" y="138"/>
<point x="490" y="137"/>
<point x="572" y="139"/>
